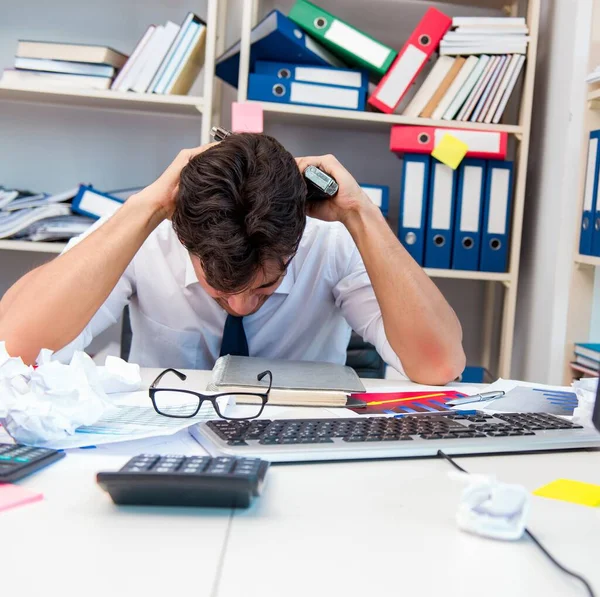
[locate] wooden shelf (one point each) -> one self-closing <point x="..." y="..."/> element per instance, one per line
<point x="594" y="98"/>
<point x="26" y="245"/>
<point x="587" y="260"/>
<point x="35" y="247"/>
<point x="458" y="274"/>
<point x="333" y="117"/>
<point x="181" y="105"/>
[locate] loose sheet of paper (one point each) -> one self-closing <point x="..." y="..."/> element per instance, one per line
<point x="129" y="421"/>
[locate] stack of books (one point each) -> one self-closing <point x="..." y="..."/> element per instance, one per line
<point x="166" y="60"/>
<point x="45" y="64"/>
<point x="587" y="360"/>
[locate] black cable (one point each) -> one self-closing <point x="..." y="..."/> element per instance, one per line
<point x="585" y="582"/>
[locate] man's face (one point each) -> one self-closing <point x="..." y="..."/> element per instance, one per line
<point x="265" y="283"/>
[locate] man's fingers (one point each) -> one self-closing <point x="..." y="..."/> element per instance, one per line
<point x="328" y="163"/>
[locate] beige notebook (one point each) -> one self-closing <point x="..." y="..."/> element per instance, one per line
<point x="444" y="85"/>
<point x="295" y="383"/>
<point x="190" y="65"/>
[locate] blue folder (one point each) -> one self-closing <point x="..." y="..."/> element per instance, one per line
<point x="440" y="218"/>
<point x="469" y="212"/>
<point x="496" y="216"/>
<point x="588" y="217"/>
<point x="268" y="88"/>
<point x="94" y="204"/>
<point x="328" y="75"/>
<point x="275" y="38"/>
<point x="414" y="192"/>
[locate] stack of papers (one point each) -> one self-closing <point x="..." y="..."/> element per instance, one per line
<point x="39" y="217"/>
<point x="485" y="35"/>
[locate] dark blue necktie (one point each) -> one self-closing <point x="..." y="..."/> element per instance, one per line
<point x="234" y="337"/>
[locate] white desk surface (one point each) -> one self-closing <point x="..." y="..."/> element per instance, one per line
<point x="348" y="529"/>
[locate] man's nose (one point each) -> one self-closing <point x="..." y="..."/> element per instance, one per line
<point x="243" y="304"/>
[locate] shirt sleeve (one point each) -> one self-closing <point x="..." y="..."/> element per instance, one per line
<point x="354" y="295"/>
<point x="110" y="311"/>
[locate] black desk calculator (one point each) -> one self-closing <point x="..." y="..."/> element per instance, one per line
<point x="152" y="480"/>
<point x="18" y="461"/>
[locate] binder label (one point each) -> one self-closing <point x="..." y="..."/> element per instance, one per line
<point x="499" y="194"/>
<point x="362" y="46"/>
<point x="480" y="141"/>
<point x="339" y="97"/>
<point x="326" y="76"/>
<point x="589" y="174"/>
<point x="471" y="199"/>
<point x="412" y="209"/>
<point x="442" y="198"/>
<point x="400" y="76"/>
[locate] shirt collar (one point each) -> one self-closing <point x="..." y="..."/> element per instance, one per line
<point x="284" y="288"/>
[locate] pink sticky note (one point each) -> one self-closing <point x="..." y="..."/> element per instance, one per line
<point x="12" y="496"/>
<point x="246" y="117"/>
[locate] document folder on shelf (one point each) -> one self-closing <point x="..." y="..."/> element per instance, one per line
<point x="284" y="91"/>
<point x="414" y="191"/>
<point x="275" y="38"/>
<point x="353" y="46"/>
<point x="419" y="47"/>
<point x="590" y="195"/>
<point x="440" y="218"/>
<point x="496" y="217"/>
<point x="469" y="212"/>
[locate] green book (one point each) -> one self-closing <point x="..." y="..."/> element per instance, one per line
<point x="353" y="46"/>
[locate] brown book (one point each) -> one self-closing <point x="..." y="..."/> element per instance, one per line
<point x="441" y="90"/>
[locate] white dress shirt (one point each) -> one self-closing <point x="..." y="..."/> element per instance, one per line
<point x="325" y="292"/>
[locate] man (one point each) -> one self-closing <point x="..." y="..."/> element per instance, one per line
<point x="239" y="245"/>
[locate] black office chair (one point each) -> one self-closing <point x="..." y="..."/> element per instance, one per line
<point x="361" y="356"/>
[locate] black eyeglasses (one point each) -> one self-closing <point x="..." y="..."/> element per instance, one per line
<point x="185" y="404"/>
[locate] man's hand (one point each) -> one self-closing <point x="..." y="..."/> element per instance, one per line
<point x="350" y="198"/>
<point x="163" y="191"/>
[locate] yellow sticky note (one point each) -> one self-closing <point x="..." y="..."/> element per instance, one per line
<point x="567" y="490"/>
<point x="450" y="151"/>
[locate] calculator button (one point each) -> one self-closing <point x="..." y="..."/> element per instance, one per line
<point x="5" y="457"/>
<point x="21" y="459"/>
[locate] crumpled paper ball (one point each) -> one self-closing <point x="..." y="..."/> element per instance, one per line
<point x="51" y="401"/>
<point x="492" y="509"/>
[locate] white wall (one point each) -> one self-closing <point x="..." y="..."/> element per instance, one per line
<point x="551" y="217"/>
<point x="54" y="148"/>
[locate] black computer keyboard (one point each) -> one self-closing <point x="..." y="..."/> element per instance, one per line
<point x="384" y="429"/>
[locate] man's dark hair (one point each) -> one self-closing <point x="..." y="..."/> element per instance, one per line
<point x="240" y="204"/>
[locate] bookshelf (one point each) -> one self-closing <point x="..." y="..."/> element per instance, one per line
<point x="275" y="113"/>
<point x="283" y="113"/>
<point x="204" y="109"/>
<point x="584" y="267"/>
<point x="181" y="105"/>
<point x="32" y="247"/>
